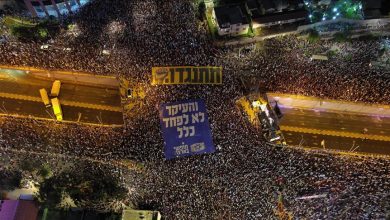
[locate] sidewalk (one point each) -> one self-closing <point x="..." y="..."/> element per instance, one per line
<point x="306" y="102"/>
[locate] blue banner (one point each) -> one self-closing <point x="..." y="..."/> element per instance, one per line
<point x="185" y="127"/>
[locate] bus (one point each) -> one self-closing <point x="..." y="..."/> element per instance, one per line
<point x="55" y="89"/>
<point x="57" y="108"/>
<point x="45" y="97"/>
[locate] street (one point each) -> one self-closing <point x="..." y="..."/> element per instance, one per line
<point x="19" y="94"/>
<point x="341" y="131"/>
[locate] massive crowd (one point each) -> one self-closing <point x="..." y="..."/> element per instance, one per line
<point x="245" y="177"/>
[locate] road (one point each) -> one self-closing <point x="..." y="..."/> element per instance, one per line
<point x="342" y="131"/>
<point x="19" y="94"/>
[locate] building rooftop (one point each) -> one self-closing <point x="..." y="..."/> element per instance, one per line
<point x="252" y="4"/>
<point x="283" y="16"/>
<point x="268" y="5"/>
<point x="228" y="15"/>
<point x="18" y="210"/>
<point x="372" y="4"/>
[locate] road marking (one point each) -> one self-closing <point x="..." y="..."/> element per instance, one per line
<point x="335" y="133"/>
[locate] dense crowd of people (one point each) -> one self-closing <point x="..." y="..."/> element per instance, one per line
<point x="246" y="176"/>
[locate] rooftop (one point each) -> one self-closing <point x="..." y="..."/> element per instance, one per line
<point x="283" y="16"/>
<point x="232" y="14"/>
<point x="18" y="210"/>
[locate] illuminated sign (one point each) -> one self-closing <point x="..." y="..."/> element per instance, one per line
<point x="186" y="75"/>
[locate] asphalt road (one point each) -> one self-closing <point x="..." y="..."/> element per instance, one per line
<point x="21" y="83"/>
<point x="336" y="121"/>
<point x="337" y="143"/>
<point x="340" y="122"/>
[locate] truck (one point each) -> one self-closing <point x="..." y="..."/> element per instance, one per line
<point x="55" y="89"/>
<point x="55" y="102"/>
<point x="45" y="97"/>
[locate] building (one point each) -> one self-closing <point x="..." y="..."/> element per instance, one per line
<point x="267" y="6"/>
<point x="270" y="13"/>
<point x="375" y="8"/>
<point x="231" y="20"/>
<point x="5" y="3"/>
<point x="18" y="210"/>
<point x="56" y="8"/>
<point x="280" y="18"/>
<point x="254" y="8"/>
<point x="131" y="214"/>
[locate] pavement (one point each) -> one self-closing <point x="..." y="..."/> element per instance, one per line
<point x="337" y="130"/>
<point x="19" y="95"/>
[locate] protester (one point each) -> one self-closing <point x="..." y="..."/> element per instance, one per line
<point x="244" y="178"/>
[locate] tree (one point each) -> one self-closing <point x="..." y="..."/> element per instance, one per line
<point x="50" y="193"/>
<point x="45" y="171"/>
<point x="42" y="33"/>
<point x="202" y="11"/>
<point x="10" y="179"/>
<point x="340" y="37"/>
<point x="84" y="186"/>
<point x="3" y="196"/>
<point x="29" y="165"/>
<point x="314" y="36"/>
